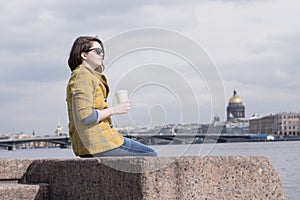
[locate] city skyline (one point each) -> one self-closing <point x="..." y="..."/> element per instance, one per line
<point x="253" y="44"/>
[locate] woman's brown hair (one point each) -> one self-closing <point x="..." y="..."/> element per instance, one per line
<point x="81" y="44"/>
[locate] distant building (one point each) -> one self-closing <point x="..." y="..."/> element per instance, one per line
<point x="236" y="122"/>
<point x="237" y="127"/>
<point x="235" y="108"/>
<point x="59" y="129"/>
<point x="285" y="124"/>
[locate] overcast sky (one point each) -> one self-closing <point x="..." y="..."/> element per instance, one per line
<point x="255" y="46"/>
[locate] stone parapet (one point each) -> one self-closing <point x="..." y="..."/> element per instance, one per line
<point x="11" y="172"/>
<point x="16" y="191"/>
<point x="13" y="169"/>
<point x="210" y="177"/>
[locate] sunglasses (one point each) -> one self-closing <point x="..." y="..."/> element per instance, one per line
<point x="97" y="50"/>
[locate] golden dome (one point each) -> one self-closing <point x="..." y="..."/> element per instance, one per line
<point x="235" y="98"/>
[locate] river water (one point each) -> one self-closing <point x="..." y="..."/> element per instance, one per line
<point x="284" y="156"/>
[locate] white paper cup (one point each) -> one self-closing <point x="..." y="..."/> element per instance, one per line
<point x="122" y="96"/>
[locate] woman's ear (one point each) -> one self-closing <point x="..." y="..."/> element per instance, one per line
<point x="83" y="55"/>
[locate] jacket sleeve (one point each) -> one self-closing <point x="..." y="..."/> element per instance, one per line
<point x="92" y="118"/>
<point x="83" y="95"/>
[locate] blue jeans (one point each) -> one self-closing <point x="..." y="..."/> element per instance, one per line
<point x="129" y="148"/>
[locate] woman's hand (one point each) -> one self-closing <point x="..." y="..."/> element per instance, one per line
<point x="121" y="108"/>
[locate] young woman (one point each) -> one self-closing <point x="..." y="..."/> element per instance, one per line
<point x="90" y="127"/>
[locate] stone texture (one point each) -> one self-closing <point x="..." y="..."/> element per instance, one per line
<point x="13" y="168"/>
<point x="15" y="191"/>
<point x="11" y="171"/>
<point x="214" y="178"/>
<point x="157" y="178"/>
<point x="83" y="179"/>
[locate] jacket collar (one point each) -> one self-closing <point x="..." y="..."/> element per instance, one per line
<point x="98" y="75"/>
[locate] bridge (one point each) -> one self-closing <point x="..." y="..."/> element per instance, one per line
<point x="146" y="138"/>
<point x="12" y="143"/>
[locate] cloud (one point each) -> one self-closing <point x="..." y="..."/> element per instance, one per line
<point x="29" y="106"/>
<point x="255" y="45"/>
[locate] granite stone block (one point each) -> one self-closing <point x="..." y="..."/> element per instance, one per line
<point x="15" y="191"/>
<point x="13" y="168"/>
<point x="211" y="177"/>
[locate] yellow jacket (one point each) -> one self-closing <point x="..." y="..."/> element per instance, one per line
<point x="87" y="89"/>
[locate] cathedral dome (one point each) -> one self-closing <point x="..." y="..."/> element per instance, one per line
<point x="235" y="108"/>
<point x="235" y="99"/>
